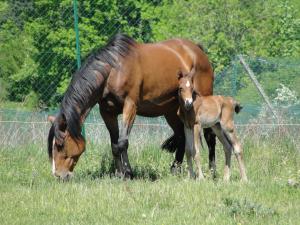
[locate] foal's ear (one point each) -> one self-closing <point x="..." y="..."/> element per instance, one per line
<point x="51" y="119"/>
<point x="179" y="74"/>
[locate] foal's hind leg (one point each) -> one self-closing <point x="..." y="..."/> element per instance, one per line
<point x="227" y="150"/>
<point x="210" y="138"/>
<point x="237" y="148"/>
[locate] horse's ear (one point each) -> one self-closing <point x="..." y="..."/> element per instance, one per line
<point x="51" y="119"/>
<point x="179" y="74"/>
<point x="60" y="127"/>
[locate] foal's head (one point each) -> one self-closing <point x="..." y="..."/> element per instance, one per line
<point x="64" y="150"/>
<point x="185" y="92"/>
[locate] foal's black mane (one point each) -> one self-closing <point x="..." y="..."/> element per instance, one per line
<point x="84" y="82"/>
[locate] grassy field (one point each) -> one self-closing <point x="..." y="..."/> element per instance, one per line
<point x="30" y="195"/>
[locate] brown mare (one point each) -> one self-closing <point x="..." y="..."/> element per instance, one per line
<point x="131" y="79"/>
<point x="197" y="112"/>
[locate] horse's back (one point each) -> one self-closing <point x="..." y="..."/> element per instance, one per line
<point x="160" y="63"/>
<point x="203" y="75"/>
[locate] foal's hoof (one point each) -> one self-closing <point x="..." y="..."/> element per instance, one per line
<point x="244" y="180"/>
<point x="200" y="179"/>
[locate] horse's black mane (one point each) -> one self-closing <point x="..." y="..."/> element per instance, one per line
<point x="84" y="81"/>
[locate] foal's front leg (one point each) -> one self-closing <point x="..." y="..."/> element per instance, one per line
<point x="196" y="152"/>
<point x="189" y="148"/>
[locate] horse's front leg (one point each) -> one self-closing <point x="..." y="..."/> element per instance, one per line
<point x="129" y="113"/>
<point x="111" y="121"/>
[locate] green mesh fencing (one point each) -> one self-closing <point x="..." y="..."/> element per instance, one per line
<point x="38" y="57"/>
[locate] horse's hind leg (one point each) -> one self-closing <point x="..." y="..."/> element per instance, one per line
<point x="179" y="136"/>
<point x="210" y="138"/>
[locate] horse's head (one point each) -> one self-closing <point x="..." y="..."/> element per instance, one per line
<point x="63" y="149"/>
<point x="185" y="90"/>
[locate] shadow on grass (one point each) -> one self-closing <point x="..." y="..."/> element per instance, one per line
<point x="107" y="169"/>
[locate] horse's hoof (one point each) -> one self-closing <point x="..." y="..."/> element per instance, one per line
<point x="175" y="168"/>
<point x="119" y="174"/>
<point x="128" y="175"/>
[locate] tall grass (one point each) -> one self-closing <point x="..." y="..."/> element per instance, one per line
<point x="30" y="195"/>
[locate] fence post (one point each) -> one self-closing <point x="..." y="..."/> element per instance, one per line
<point x="233" y="77"/>
<point x="77" y="45"/>
<point x="257" y="85"/>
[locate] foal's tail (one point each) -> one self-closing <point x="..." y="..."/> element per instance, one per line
<point x="237" y="106"/>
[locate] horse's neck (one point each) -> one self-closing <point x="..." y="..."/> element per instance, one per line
<point x="92" y="98"/>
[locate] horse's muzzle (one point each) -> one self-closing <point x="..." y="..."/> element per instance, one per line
<point x="64" y="176"/>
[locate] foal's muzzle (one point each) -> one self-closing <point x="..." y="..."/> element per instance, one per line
<point x="188" y="104"/>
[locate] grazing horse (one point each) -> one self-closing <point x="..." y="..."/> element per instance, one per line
<point x="197" y="112"/>
<point x="128" y="78"/>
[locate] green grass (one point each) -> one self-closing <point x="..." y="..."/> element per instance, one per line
<point x="30" y="195"/>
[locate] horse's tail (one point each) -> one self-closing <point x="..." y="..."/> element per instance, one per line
<point x="170" y="144"/>
<point x="237" y="106"/>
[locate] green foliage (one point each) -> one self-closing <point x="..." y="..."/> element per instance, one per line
<point x="227" y="28"/>
<point x="37" y="38"/>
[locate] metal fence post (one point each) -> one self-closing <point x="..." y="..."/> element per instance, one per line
<point x="77" y="45"/>
<point x="234" y="77"/>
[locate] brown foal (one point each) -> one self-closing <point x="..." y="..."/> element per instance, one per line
<point x="197" y="112"/>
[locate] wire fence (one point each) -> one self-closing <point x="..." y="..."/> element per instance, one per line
<point x="44" y="37"/>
